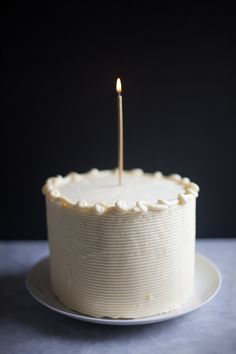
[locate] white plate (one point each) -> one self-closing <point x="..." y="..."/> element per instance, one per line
<point x="207" y="284"/>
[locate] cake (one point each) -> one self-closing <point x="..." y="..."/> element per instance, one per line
<point x="121" y="251"/>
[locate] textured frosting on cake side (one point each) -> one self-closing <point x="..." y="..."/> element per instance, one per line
<point x="132" y="259"/>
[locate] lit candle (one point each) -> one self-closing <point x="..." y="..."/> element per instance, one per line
<point x="120" y="129"/>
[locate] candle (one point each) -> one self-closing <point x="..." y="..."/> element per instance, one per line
<point x="120" y="129"/>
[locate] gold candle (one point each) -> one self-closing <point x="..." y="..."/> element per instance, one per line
<point x="120" y="130"/>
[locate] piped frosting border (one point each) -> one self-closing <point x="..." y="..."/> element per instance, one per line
<point x="51" y="191"/>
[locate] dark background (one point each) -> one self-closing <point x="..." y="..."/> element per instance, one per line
<point x="60" y="64"/>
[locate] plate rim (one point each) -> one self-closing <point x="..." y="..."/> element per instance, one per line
<point x="122" y="322"/>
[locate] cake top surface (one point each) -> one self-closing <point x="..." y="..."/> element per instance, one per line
<point x="105" y="188"/>
<point x="99" y="191"/>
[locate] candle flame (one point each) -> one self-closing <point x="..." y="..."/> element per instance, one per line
<point x="118" y="86"/>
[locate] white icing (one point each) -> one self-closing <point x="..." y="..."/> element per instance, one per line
<point x="98" y="191"/>
<point x="183" y="199"/>
<point x="175" y="177"/>
<point x="82" y="203"/>
<point x="106" y="189"/>
<point x="121" y="205"/>
<point x="99" y="209"/>
<point x="192" y="191"/>
<point x="122" y="265"/>
<point x="129" y="251"/>
<point x="194" y="186"/>
<point x="185" y="181"/>
<point x="142" y="205"/>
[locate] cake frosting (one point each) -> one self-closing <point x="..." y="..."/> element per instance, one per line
<point x="98" y="192"/>
<point x="121" y="251"/>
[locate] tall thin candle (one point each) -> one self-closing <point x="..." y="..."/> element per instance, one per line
<point x="120" y="130"/>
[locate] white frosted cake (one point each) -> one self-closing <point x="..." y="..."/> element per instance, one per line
<point x="121" y="251"/>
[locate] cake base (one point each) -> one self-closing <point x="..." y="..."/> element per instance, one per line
<point x="207" y="283"/>
<point x="173" y="308"/>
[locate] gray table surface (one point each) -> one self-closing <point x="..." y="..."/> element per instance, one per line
<point x="28" y="327"/>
